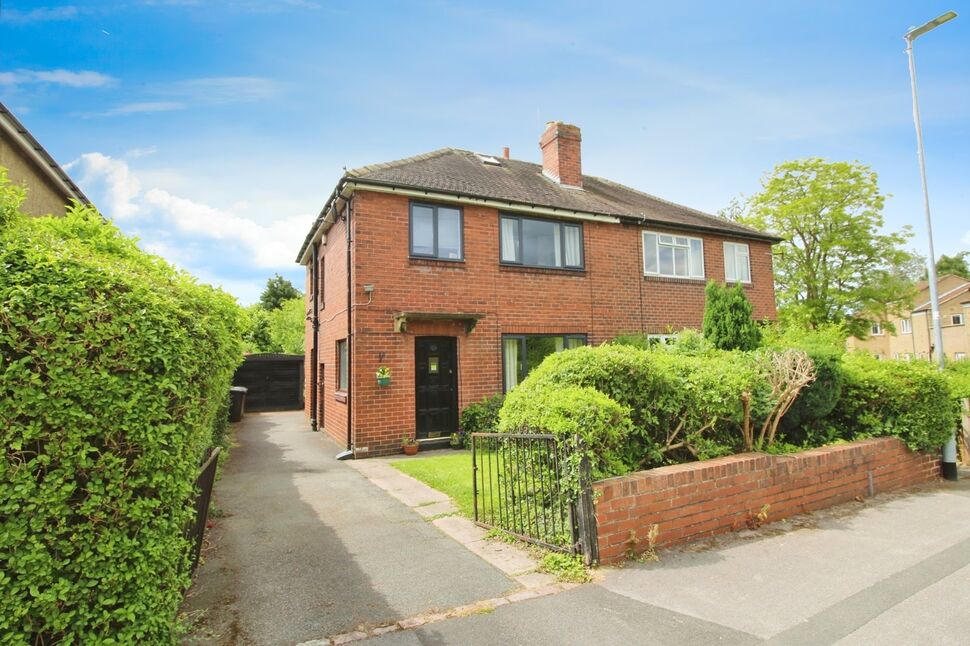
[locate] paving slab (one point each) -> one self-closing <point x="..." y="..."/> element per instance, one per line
<point x="775" y="585"/>
<point x="308" y="547"/>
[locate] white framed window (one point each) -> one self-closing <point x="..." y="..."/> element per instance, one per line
<point x="905" y="326"/>
<point x="672" y="256"/>
<point x="959" y="356"/>
<point x="956" y="319"/>
<point x="737" y="263"/>
<point x="876" y="329"/>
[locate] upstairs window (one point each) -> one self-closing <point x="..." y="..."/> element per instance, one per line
<point x="737" y="263"/>
<point x="875" y="329"/>
<point x="531" y="242"/>
<point x="672" y="256"/>
<point x="956" y="319"/>
<point x="436" y="231"/>
<point x="905" y="326"/>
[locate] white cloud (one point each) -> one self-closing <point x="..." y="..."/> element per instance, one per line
<point x="40" y="14"/>
<point x="83" y="78"/>
<point x="136" y="153"/>
<point x="113" y="185"/>
<point x="144" y="107"/>
<point x="221" y="89"/>
<point x="110" y="178"/>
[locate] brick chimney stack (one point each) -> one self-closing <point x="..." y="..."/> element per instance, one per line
<point x="560" y="144"/>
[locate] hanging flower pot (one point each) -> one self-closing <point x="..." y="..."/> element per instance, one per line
<point x="383" y="376"/>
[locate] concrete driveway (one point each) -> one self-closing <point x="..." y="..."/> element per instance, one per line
<point x="307" y="547"/>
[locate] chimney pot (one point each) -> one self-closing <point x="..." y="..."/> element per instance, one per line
<point x="505" y="152"/>
<point x="561" y="145"/>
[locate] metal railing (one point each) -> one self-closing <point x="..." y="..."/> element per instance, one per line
<point x="203" y="487"/>
<point x="518" y="488"/>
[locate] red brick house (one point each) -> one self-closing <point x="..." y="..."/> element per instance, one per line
<point x="460" y="271"/>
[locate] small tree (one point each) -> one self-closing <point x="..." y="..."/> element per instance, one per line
<point x="728" y="323"/>
<point x="278" y="289"/>
<point x="287" y="325"/>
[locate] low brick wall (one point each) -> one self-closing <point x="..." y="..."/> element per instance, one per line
<point x="698" y="500"/>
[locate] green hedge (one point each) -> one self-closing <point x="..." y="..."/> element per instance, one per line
<point x="478" y="417"/>
<point x="601" y="423"/>
<point x="663" y="389"/>
<point x="114" y="368"/>
<point x="908" y="400"/>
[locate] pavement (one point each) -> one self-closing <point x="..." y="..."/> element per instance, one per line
<point x="310" y="551"/>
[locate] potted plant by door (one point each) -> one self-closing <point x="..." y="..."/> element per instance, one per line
<point x="410" y="445"/>
<point x="383" y="376"/>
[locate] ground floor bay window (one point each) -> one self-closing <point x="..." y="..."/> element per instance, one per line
<point x="523" y="352"/>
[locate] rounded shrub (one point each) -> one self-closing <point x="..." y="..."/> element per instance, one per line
<point x="568" y="412"/>
<point x="818" y="399"/>
<point x="114" y="371"/>
<point x="908" y="400"/>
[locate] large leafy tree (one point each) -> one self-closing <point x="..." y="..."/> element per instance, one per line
<point x="835" y="264"/>
<point x="278" y="289"/>
<point x="287" y="325"/>
<point x="955" y="264"/>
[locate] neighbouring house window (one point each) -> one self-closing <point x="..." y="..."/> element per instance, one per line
<point x="540" y="243"/>
<point x="956" y="319"/>
<point x="876" y="329"/>
<point x="905" y="326"/>
<point x="959" y="356"/>
<point x="672" y="256"/>
<point x="436" y="231"/>
<point x="523" y="352"/>
<point x="737" y="263"/>
<point x="343" y="365"/>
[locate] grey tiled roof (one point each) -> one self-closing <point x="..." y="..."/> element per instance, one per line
<point x="463" y="172"/>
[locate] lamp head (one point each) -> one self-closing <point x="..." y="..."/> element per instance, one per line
<point x="916" y="32"/>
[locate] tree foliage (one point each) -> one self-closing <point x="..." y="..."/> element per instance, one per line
<point x="834" y="264"/>
<point x="728" y="323"/>
<point x="287" y="325"/>
<point x="114" y="372"/>
<point x="955" y="264"/>
<point x="277" y="291"/>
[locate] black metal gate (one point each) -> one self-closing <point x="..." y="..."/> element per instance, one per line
<point x="518" y="488"/>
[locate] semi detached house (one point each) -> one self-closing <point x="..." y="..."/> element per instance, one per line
<point x="460" y="272"/>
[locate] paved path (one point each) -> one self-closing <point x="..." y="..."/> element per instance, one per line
<point x="893" y="571"/>
<point x="309" y="548"/>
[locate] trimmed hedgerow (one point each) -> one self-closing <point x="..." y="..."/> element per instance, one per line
<point x="601" y="424"/>
<point x="681" y="406"/>
<point x="114" y="369"/>
<point x="908" y="400"/>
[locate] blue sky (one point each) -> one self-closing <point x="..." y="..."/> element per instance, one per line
<point x="215" y="130"/>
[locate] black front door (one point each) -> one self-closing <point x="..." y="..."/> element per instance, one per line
<point x="436" y="386"/>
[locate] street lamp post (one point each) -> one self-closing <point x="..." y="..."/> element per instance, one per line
<point x="950" y="448"/>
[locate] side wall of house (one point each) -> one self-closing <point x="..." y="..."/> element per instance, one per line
<point x="609" y="297"/>
<point x="43" y="197"/>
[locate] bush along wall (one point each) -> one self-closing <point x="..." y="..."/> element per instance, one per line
<point x="114" y="368"/>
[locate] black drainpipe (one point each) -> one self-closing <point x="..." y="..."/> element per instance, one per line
<point x="349" y="452"/>
<point x="315" y="322"/>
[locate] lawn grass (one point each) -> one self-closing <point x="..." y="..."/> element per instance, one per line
<point x="449" y="473"/>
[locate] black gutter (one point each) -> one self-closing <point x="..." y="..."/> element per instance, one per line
<point x="315" y="322"/>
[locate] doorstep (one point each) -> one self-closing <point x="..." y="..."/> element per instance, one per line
<point x="432" y="504"/>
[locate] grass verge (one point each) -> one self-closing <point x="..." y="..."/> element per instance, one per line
<point x="449" y="473"/>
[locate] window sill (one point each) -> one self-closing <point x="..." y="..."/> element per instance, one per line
<point x="340" y="396"/>
<point x="541" y="270"/>
<point x="422" y="260"/>
<point x="674" y="279"/>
